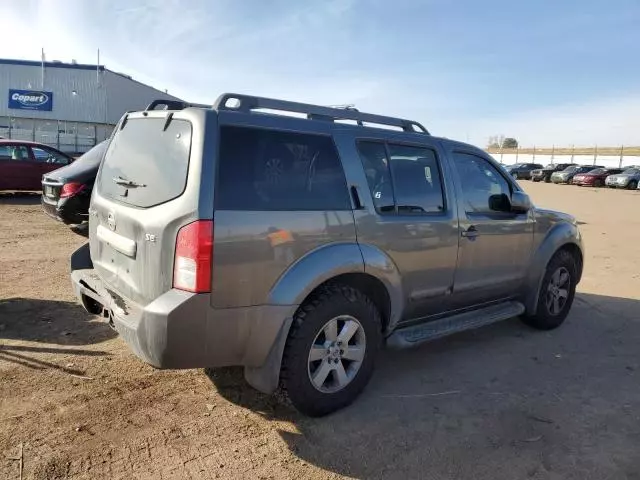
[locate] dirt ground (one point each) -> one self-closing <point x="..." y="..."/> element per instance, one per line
<point x="503" y="402"/>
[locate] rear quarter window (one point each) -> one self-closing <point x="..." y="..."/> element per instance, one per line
<point x="146" y="164"/>
<point x="272" y="170"/>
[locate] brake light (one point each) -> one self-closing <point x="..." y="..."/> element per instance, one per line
<point x="71" y="189"/>
<point x="193" y="260"/>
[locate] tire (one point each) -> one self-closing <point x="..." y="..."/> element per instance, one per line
<point x="536" y="180"/>
<point x="547" y="179"/>
<point x="547" y="317"/>
<point x="598" y="183"/>
<point x="342" y="304"/>
<point x="632" y="185"/>
<point x="514" y="175"/>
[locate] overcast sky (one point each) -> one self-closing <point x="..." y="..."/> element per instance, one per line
<point x="546" y="71"/>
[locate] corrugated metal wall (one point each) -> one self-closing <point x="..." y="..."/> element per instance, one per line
<point x="85" y="104"/>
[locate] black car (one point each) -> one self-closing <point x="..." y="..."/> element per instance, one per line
<point x="66" y="192"/>
<point x="546" y="172"/>
<point x="522" y="170"/>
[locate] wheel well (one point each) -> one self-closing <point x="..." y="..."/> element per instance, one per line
<point x="370" y="286"/>
<point x="575" y="251"/>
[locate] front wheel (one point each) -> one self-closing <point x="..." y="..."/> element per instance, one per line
<point x="330" y="352"/>
<point x="556" y="292"/>
<point x="547" y="179"/>
<point x="598" y="183"/>
<point x="632" y="185"/>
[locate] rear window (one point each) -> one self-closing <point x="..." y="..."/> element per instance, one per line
<point x="146" y="164"/>
<point x="263" y="169"/>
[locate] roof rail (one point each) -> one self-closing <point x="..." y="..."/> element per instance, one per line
<point x="173" y="105"/>
<point x="246" y="103"/>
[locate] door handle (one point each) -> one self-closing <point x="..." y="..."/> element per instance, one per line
<point x="470" y="233"/>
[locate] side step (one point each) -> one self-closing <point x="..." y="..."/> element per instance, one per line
<point x="416" y="334"/>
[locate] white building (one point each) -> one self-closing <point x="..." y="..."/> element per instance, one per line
<point x="66" y="105"/>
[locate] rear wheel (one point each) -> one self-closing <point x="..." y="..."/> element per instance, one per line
<point x="330" y="352"/>
<point x="632" y="185"/>
<point x="556" y="292"/>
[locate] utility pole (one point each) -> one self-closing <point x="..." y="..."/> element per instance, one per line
<point x="595" y="154"/>
<point x="621" y="156"/>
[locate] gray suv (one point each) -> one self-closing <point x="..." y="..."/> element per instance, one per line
<point x="297" y="246"/>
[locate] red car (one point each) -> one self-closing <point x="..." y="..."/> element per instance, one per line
<point x="595" y="178"/>
<point x="22" y="164"/>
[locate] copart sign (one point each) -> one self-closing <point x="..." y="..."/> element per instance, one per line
<point x="30" y="100"/>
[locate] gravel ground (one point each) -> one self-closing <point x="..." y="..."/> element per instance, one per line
<point x="503" y="402"/>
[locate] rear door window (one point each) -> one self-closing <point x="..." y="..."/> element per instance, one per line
<point x="262" y="169"/>
<point x="146" y="164"/>
<point x="416" y="178"/>
<point x="403" y="179"/>
<point x="14" y="152"/>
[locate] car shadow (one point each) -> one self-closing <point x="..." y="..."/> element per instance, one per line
<point x="20" y="198"/>
<point x="504" y="401"/>
<point x="50" y="321"/>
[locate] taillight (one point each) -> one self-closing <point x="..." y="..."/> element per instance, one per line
<point x="194" y="251"/>
<point x="71" y="189"/>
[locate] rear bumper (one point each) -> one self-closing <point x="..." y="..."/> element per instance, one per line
<point x="72" y="210"/>
<point x="181" y="329"/>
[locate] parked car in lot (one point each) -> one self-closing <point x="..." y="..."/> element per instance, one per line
<point x="544" y="174"/>
<point x="295" y="247"/>
<point x="629" y="178"/>
<point x="22" y="164"/>
<point x="66" y="192"/>
<point x="566" y="175"/>
<point x="522" y="170"/>
<point x="595" y="178"/>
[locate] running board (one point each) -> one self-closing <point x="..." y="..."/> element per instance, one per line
<point x="416" y="334"/>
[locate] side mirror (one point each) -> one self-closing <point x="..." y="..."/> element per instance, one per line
<point x="500" y="203"/>
<point x="520" y="202"/>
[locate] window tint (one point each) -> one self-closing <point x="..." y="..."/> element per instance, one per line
<point x="154" y="159"/>
<point x="416" y="179"/>
<point x="14" y="152"/>
<point x="48" y="156"/>
<point x="273" y="170"/>
<point x="376" y="168"/>
<point x="481" y="183"/>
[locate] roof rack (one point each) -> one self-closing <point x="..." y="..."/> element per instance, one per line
<point x="246" y="103"/>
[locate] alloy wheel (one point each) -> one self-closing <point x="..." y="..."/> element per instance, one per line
<point x="336" y="354"/>
<point x="558" y="291"/>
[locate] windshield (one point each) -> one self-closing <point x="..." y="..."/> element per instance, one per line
<point x="631" y="171"/>
<point x="598" y="171"/>
<point x="570" y="169"/>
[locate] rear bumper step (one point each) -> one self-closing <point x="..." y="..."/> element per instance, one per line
<point x="424" y="332"/>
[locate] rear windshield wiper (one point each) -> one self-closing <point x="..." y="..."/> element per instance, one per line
<point x="127" y="183"/>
